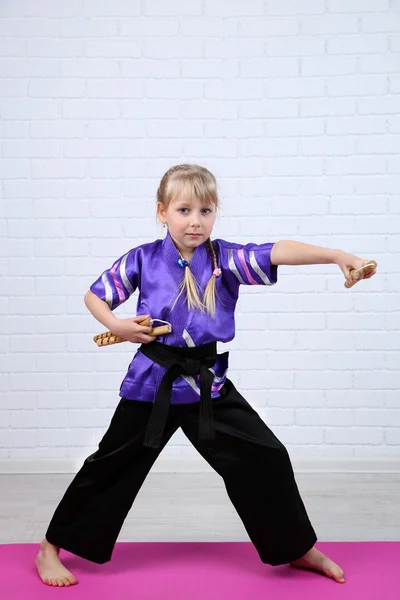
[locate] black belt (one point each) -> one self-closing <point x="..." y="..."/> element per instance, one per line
<point x="180" y="361"/>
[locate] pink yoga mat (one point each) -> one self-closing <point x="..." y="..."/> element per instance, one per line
<point x="205" y="571"/>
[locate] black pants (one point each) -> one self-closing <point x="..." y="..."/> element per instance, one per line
<point x="253" y="463"/>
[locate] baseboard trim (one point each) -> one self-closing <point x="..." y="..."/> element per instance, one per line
<point x="198" y="465"/>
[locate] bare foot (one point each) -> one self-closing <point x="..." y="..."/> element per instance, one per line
<point x="315" y="560"/>
<point x="50" y="568"/>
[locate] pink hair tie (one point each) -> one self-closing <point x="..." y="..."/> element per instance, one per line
<point x="217" y="272"/>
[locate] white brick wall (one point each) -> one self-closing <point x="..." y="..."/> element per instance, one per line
<point x="294" y="106"/>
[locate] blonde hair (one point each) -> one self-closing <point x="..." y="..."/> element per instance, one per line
<point x="197" y="181"/>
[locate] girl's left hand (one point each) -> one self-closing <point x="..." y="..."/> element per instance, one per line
<point x="348" y="261"/>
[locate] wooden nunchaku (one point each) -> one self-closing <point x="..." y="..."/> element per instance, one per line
<point x="358" y="274"/>
<point x="108" y="338"/>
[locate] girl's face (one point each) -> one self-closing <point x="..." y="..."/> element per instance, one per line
<point x="190" y="222"/>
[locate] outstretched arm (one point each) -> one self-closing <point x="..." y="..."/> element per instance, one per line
<point x="287" y="252"/>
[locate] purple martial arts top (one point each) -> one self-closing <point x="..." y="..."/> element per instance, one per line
<point x="153" y="268"/>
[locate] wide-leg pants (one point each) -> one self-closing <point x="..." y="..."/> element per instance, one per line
<point x="253" y="463"/>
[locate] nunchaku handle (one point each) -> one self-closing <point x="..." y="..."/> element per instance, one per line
<point x="108" y="338"/>
<point x="358" y="274"/>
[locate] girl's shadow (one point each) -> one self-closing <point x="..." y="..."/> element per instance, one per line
<point x="239" y="556"/>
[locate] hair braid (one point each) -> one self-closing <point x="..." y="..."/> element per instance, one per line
<point x="210" y="291"/>
<point x="191" y="285"/>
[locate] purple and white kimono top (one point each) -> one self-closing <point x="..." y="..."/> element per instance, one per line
<point x="153" y="268"/>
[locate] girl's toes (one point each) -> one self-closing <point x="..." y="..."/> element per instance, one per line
<point x="338" y="575"/>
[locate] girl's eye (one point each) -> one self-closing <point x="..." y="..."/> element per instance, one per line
<point x="181" y="209"/>
<point x="206" y="210"/>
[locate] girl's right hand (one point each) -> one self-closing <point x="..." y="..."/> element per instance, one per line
<point x="130" y="330"/>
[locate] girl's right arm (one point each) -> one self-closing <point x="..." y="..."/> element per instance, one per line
<point x="129" y="329"/>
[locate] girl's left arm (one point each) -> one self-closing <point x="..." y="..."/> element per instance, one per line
<point x="287" y="252"/>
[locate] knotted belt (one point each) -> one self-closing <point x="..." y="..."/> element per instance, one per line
<point x="180" y="361"/>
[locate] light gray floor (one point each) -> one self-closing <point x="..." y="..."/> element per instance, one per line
<point x="195" y="507"/>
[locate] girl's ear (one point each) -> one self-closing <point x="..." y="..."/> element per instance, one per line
<point x="161" y="213"/>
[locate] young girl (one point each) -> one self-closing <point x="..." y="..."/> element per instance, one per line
<point x="179" y="381"/>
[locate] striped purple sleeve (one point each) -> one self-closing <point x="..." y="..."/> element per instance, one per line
<point x="116" y="284"/>
<point x="250" y="264"/>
